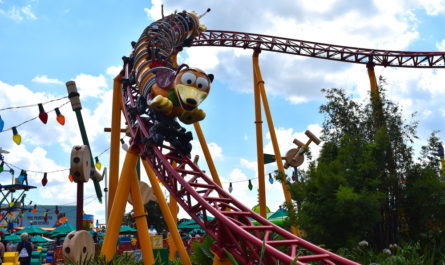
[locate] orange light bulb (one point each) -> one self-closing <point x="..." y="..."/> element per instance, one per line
<point x="60" y="118"/>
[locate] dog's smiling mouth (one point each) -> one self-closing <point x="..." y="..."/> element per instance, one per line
<point x="185" y="105"/>
<point x="189" y="97"/>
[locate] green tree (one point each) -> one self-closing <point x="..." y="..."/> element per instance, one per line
<point x="424" y="194"/>
<point x="352" y="192"/>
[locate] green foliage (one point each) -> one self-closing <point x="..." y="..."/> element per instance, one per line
<point x="175" y="262"/>
<point x="410" y="254"/>
<point x="424" y="202"/>
<point x="201" y="252"/>
<point x="365" y="185"/>
<point x="100" y="260"/>
<point x="231" y="257"/>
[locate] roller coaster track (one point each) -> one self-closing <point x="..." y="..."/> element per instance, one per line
<point x="232" y="226"/>
<point x="321" y="50"/>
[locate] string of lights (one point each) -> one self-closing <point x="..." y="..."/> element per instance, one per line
<point x="42" y="117"/>
<point x="35" y="171"/>
<point x="24" y="172"/>
<point x="250" y="185"/>
<point x="33" y="105"/>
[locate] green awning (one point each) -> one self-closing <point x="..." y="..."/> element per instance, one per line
<point x="32" y="230"/>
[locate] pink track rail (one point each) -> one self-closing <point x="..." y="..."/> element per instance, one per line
<point x="232" y="226"/>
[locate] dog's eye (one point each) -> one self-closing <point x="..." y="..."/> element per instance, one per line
<point x="188" y="78"/>
<point x="202" y="83"/>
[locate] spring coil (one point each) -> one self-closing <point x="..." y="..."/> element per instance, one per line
<point x="159" y="44"/>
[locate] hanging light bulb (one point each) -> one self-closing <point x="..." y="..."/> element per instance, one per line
<point x="124" y="145"/>
<point x="295" y="174"/>
<point x="57" y="210"/>
<point x="250" y="186"/>
<point x="60" y="118"/>
<point x="22" y="176"/>
<point x="270" y="178"/>
<point x="43" y="116"/>
<point x="44" y="180"/>
<point x="98" y="164"/>
<point x="230" y="187"/>
<point x="70" y="178"/>
<point x="2" y="124"/>
<point x="1" y="166"/>
<point x="16" y="137"/>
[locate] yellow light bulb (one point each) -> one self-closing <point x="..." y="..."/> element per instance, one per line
<point x="17" y="139"/>
<point x="98" y="164"/>
<point x="16" y="136"/>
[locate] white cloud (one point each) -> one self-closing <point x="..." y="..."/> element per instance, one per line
<point x="216" y="151"/>
<point x="252" y="165"/>
<point x="26" y="10"/>
<point x="90" y="86"/>
<point x="441" y="45"/>
<point x="114" y="70"/>
<point x="19" y="13"/>
<point x="433" y="7"/>
<point x="237" y="174"/>
<point x="296" y="99"/>
<point x="155" y="11"/>
<point x="43" y="79"/>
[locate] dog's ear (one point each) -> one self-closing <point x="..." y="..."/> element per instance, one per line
<point x="165" y="77"/>
<point x="211" y="77"/>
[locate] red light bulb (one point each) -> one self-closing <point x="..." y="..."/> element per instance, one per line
<point x="42" y="114"/>
<point x="44" y="180"/>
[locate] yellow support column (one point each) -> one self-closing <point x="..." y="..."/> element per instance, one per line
<point x="115" y="143"/>
<point x="173" y="205"/>
<point x="171" y="243"/>
<point x="273" y="136"/>
<point x="141" y="219"/>
<point x="259" y="145"/>
<point x="207" y="155"/>
<point x="167" y="215"/>
<point x="118" y="209"/>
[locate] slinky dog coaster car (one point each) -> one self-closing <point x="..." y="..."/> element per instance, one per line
<point x="167" y="90"/>
<point x="179" y="93"/>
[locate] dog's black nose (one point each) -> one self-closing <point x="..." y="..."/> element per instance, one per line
<point x="191" y="101"/>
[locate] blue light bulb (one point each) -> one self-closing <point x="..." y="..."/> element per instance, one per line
<point x="2" y="124"/>
<point x="21" y="179"/>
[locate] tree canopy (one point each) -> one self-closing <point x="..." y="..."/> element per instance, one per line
<point x="367" y="184"/>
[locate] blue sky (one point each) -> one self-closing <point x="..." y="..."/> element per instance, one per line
<point x="43" y="44"/>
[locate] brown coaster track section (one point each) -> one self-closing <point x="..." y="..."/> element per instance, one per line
<point x="321" y="50"/>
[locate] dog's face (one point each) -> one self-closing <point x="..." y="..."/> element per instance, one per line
<point x="192" y="86"/>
